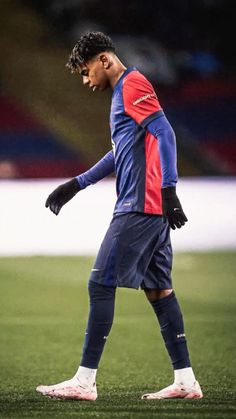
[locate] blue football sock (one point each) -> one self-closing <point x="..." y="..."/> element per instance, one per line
<point x="170" y="319"/>
<point x="102" y="302"/>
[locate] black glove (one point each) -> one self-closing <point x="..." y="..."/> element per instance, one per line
<point x="62" y="195"/>
<point x="172" y="209"/>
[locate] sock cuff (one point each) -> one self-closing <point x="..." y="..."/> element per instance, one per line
<point x="161" y="304"/>
<point x="98" y="292"/>
<point x="86" y="376"/>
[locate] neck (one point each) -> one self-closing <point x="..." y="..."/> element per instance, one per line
<point x="117" y="71"/>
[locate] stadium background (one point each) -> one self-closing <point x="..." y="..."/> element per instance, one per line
<point x="52" y="128"/>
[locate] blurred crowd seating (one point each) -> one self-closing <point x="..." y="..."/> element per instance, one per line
<point x="204" y="117"/>
<point x="180" y="46"/>
<point x="28" y="150"/>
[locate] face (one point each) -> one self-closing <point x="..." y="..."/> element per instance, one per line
<point x="94" y="73"/>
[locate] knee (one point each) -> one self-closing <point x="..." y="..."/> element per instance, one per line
<point x="154" y="295"/>
<point x="100" y="292"/>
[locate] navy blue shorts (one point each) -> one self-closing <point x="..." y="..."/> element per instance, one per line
<point x="136" y="252"/>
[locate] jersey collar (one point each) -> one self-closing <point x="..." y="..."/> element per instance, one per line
<point x="127" y="71"/>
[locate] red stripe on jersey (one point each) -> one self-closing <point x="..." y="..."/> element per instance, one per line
<point x="153" y="181"/>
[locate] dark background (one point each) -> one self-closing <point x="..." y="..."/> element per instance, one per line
<point x="50" y="126"/>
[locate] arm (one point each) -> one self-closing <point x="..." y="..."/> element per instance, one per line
<point x="101" y="169"/>
<point x="172" y="209"/>
<point x="65" y="192"/>
<point x="163" y="132"/>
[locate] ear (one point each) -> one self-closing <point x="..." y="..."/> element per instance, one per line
<point x="105" y="60"/>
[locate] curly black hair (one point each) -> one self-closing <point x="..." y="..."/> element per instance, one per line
<point x="88" y="46"/>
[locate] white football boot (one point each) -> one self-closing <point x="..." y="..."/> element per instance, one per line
<point x="80" y="387"/>
<point x="70" y="389"/>
<point x="46" y="389"/>
<point x="176" y="391"/>
<point x="78" y="392"/>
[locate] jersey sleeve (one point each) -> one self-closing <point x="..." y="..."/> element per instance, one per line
<point x="161" y="129"/>
<point x="101" y="169"/>
<point x="140" y="99"/>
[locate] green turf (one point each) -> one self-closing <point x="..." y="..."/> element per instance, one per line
<point x="43" y="315"/>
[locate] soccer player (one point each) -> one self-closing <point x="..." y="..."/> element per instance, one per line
<point x="136" y="251"/>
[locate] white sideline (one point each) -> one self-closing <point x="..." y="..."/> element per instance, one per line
<point x="28" y="228"/>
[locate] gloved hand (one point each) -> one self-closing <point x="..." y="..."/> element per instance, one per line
<point x="61" y="195"/>
<point x="172" y="208"/>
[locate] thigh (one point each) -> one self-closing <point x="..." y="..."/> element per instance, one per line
<point x="104" y="270"/>
<point x="128" y="249"/>
<point x="158" y="274"/>
<point x="136" y="247"/>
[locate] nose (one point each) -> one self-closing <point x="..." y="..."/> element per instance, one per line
<point x="85" y="80"/>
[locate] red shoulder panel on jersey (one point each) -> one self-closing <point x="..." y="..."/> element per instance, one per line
<point x="140" y="99"/>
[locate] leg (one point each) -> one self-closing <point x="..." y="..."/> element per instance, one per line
<point x="82" y="386"/>
<point x="102" y="287"/>
<point x="167" y="309"/>
<point x="170" y="318"/>
<point x="158" y="289"/>
<point x="154" y="294"/>
<point x="102" y="303"/>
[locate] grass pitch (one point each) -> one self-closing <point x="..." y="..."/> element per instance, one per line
<point x="44" y="307"/>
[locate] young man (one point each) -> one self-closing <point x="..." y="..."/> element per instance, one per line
<point x="136" y="251"/>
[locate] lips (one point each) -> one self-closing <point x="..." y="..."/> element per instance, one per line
<point x="93" y="88"/>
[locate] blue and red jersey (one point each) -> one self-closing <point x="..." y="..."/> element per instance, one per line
<point x="143" y="147"/>
<point x="137" y="161"/>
